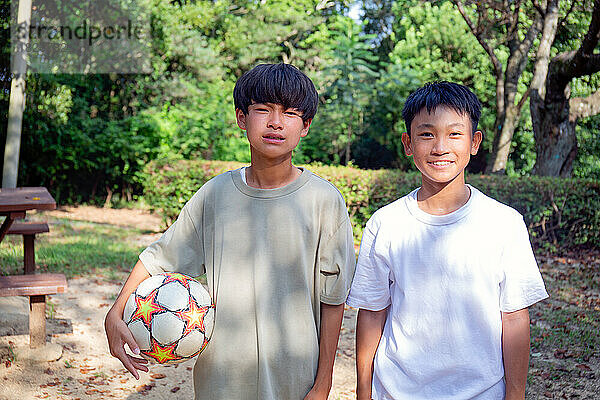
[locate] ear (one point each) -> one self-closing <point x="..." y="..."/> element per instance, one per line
<point x="476" y="142"/>
<point x="240" y="118"/>
<point x="306" y="124"/>
<point x="407" y="143"/>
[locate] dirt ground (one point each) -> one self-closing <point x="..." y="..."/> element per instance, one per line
<point x="87" y="371"/>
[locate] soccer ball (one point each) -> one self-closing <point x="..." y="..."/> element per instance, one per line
<point x="171" y="317"/>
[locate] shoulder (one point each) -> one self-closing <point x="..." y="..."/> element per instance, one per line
<point x="211" y="188"/>
<point x="395" y="213"/>
<point x="325" y="191"/>
<point x="496" y="210"/>
<point x="320" y="198"/>
<point x="220" y="180"/>
<point x="323" y="185"/>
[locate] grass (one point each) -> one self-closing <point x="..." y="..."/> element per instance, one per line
<point x="569" y="321"/>
<point x="565" y="344"/>
<point x="50" y="309"/>
<point x="76" y="248"/>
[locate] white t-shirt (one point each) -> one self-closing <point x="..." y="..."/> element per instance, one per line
<point x="446" y="279"/>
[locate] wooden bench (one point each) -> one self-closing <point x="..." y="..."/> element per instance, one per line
<point x="28" y="230"/>
<point x="36" y="286"/>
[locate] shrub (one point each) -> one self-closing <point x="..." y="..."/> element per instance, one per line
<point x="559" y="212"/>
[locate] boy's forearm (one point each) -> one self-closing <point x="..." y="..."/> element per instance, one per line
<point x="515" y="352"/>
<point x="117" y="332"/>
<point x="369" y="327"/>
<point x="331" y="322"/>
<point x="137" y="275"/>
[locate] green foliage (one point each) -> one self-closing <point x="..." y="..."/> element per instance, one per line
<point x="558" y="212"/>
<point x="169" y="183"/>
<point x="346" y="92"/>
<point x="385" y="123"/>
<point x="85" y="136"/>
<point x="74" y="147"/>
<point x="435" y="43"/>
<point x="522" y="154"/>
<point x="587" y="164"/>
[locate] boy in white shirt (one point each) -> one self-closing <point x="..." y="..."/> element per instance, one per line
<point x="445" y="274"/>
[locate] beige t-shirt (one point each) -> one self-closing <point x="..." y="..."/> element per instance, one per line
<point x="270" y="256"/>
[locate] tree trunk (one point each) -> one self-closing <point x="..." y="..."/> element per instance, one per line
<point x="507" y="112"/>
<point x="499" y="120"/>
<point x="17" y="98"/>
<point x="502" y="141"/>
<point x="555" y="116"/>
<point x="555" y="140"/>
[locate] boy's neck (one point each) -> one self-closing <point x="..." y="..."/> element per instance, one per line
<point x="442" y="199"/>
<point x="271" y="175"/>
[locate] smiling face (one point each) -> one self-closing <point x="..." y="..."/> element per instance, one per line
<point x="273" y="131"/>
<point x="441" y="143"/>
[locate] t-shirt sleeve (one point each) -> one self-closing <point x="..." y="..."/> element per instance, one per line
<point x="522" y="283"/>
<point x="179" y="249"/>
<point x="370" y="288"/>
<point x="336" y="263"/>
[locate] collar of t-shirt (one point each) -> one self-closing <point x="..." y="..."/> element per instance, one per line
<point x="430" y="219"/>
<point x="243" y="173"/>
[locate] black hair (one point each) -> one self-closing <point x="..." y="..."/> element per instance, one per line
<point x="442" y="93"/>
<point x="279" y="84"/>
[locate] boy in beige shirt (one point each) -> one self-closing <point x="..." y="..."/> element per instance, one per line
<point x="275" y="242"/>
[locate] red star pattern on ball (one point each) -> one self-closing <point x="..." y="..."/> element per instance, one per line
<point x="146" y="307"/>
<point x="162" y="353"/>
<point x="194" y="317"/>
<point x="177" y="277"/>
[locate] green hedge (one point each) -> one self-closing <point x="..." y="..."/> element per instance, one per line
<point x="560" y="213"/>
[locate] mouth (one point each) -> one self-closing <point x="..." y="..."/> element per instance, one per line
<point x="440" y="163"/>
<point x="273" y="138"/>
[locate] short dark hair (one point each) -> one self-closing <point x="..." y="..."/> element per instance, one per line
<point x="442" y="93"/>
<point x="279" y="84"/>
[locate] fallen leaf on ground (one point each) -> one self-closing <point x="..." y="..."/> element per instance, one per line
<point x="583" y="367"/>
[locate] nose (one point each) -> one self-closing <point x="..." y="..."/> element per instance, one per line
<point x="275" y="120"/>
<point x="440" y="146"/>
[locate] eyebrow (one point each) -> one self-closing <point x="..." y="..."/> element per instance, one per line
<point x="428" y="125"/>
<point x="424" y="125"/>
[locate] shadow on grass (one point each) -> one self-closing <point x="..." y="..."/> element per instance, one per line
<point x="76" y="248"/>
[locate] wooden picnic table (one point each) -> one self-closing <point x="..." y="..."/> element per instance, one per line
<point x="14" y="204"/>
